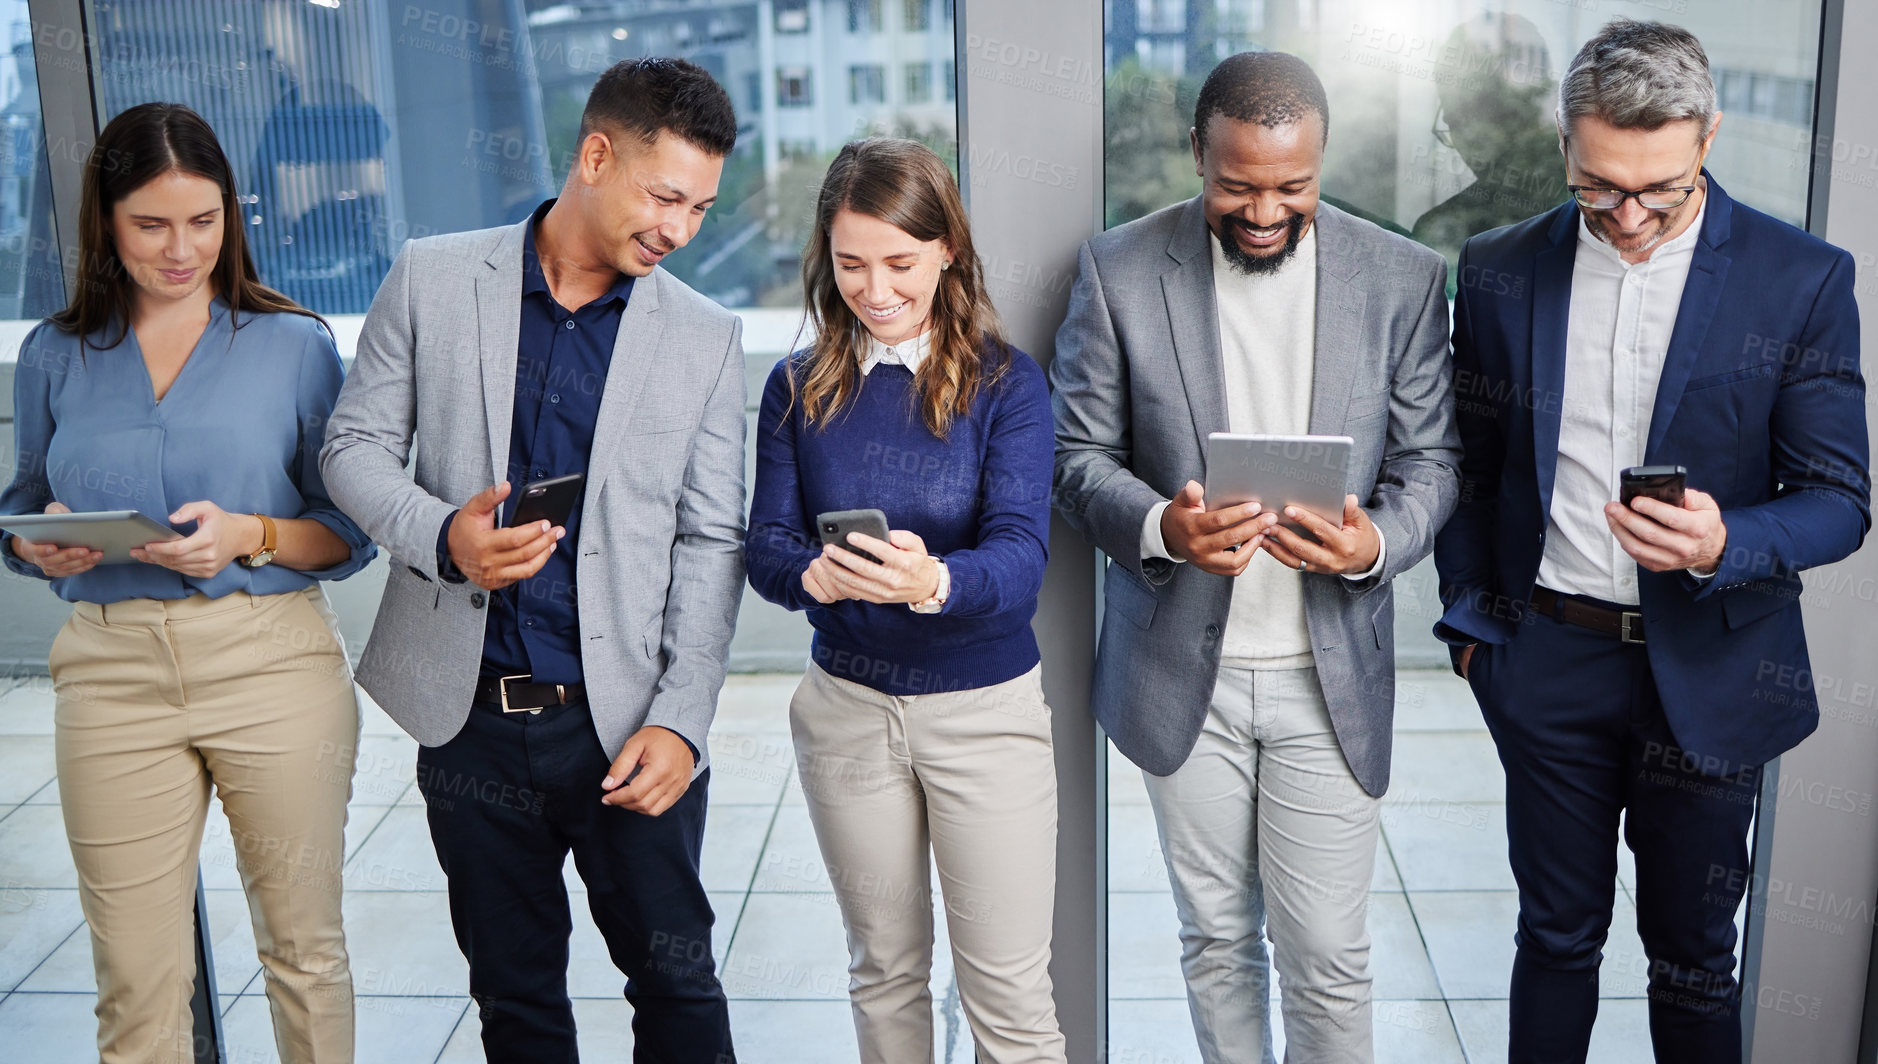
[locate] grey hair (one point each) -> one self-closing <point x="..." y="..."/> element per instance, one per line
<point x="1639" y="75"/>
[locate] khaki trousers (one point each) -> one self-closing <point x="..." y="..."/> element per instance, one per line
<point x="1264" y="827"/>
<point x="970" y="776"/>
<point x="156" y="702"/>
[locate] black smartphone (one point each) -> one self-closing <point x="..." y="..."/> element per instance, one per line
<point x="551" y="500"/>
<point x="1664" y="483"/>
<point x="835" y="525"/>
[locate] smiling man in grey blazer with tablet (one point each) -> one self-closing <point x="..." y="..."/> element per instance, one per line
<point x="1250" y="670"/>
<point x="561" y="678"/>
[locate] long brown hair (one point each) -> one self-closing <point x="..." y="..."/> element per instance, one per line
<point x="137" y="147"/>
<point x="906" y="185"/>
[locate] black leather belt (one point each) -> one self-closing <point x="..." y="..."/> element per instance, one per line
<point x="514" y="694"/>
<point x="1625" y="625"/>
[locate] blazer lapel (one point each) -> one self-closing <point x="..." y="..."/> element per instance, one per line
<point x="1551" y="312"/>
<point x="1339" y="327"/>
<point x="1194" y="319"/>
<point x="634" y="347"/>
<point x="1708" y="270"/>
<point x="498" y="330"/>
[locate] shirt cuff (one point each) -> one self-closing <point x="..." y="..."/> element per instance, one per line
<point x="446" y="568"/>
<point x="1710" y="575"/>
<point x="1152" y="545"/>
<point x="1382" y="552"/>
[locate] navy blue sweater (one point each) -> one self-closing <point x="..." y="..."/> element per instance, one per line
<point x="980" y="499"/>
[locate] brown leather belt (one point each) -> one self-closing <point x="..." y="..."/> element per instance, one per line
<point x="1625" y="625"/>
<point x="515" y="697"/>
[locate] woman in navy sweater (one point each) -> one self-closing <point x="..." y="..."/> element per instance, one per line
<point x="920" y="725"/>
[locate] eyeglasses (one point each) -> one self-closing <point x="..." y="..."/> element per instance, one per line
<point x="1650" y="199"/>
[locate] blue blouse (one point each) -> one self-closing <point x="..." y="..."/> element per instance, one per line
<point x="241" y="426"/>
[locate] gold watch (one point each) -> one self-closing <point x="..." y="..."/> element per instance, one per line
<point x="266" y="553"/>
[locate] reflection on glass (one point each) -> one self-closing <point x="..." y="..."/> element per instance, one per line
<point x="32" y="278"/>
<point x="354" y="127"/>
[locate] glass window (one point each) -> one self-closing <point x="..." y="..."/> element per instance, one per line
<point x="864" y="16"/>
<point x="916" y="14"/>
<point x="795" y="87"/>
<point x="32" y="273"/>
<point x="867" y="83"/>
<point x="792" y="16"/>
<point x="918" y="82"/>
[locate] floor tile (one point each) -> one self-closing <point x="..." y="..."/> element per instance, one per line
<point x="1136" y="862"/>
<point x="1126" y="786"/>
<point x="384" y="767"/>
<point x="1434" y="700"/>
<point x="791" y="859"/>
<point x="789" y="946"/>
<point x="1442" y="845"/>
<point x="733" y="843"/>
<point x="389" y="1030"/>
<point x="33" y="923"/>
<point x="1415" y="1032"/>
<point x="1445" y="767"/>
<point x="49" y="1028"/>
<point x="401" y="944"/>
<point x="397" y="856"/>
<point x="756" y="703"/>
<point x="1144" y="947"/>
<point x="1469" y="935"/>
<point x="1621" y="1034"/>
<point x="1398" y="961"/>
<point x="33" y="851"/>
<point x="25" y="767"/>
<point x="26" y="709"/>
<point x="70" y="969"/>
<point x="793" y="1032"/>
<point x="1153" y="1032"/>
<point x="372" y="719"/>
<point x="749" y="768"/>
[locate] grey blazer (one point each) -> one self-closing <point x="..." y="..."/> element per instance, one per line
<point x="660" y="571"/>
<point x="1138" y="385"/>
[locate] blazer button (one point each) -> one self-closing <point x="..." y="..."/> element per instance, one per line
<point x="1212" y="631"/>
<point x="476" y="599"/>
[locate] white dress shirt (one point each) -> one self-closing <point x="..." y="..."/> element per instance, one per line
<point x="1617" y="336"/>
<point x="908" y="353"/>
<point x="1268" y="334"/>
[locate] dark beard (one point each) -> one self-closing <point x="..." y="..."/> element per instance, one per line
<point x="1244" y="262"/>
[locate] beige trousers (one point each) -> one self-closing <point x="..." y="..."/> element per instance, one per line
<point x="971" y="777"/>
<point x="156" y="702"/>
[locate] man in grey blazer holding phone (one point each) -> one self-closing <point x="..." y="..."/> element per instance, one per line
<point x="1248" y="669"/>
<point x="561" y="674"/>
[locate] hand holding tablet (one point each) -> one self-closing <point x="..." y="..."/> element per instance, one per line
<point x="63" y="543"/>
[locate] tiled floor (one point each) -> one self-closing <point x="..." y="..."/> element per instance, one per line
<point x="1441" y="910"/>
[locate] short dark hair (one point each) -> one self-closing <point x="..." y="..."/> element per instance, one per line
<point x="653" y="95"/>
<point x="1271" y="88"/>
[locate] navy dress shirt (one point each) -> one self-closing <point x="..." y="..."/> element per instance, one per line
<point x="241" y="426"/>
<point x="561" y="363"/>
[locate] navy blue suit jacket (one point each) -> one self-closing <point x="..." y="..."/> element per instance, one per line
<point x="1761" y="398"/>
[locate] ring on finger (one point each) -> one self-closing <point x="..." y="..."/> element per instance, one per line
<point x="1302" y="564"/>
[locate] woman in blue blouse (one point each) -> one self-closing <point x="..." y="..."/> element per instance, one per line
<point x="920" y="725"/>
<point x="177" y="385"/>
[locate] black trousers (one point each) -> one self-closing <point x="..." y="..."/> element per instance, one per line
<point x="508" y="798"/>
<point x="1580" y="730"/>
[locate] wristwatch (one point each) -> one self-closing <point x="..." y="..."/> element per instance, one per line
<point x="266" y="553"/>
<point x="940" y="594"/>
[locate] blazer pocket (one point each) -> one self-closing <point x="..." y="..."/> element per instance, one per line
<point x="1129" y="595"/>
<point x="1364" y="407"/>
<point x="655" y="636"/>
<point x="661" y="422"/>
<point x="1744" y="605"/>
<point x="1733" y="376"/>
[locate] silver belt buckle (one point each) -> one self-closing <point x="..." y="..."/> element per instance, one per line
<point x="1630" y="621"/>
<point x="502" y="688"/>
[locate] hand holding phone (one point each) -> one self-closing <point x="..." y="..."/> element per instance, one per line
<point x="551" y="500"/>
<point x="1664" y="483"/>
<point x="835" y="525"/>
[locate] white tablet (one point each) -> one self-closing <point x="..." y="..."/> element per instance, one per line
<point x="1311" y="472"/>
<point x="114" y="532"/>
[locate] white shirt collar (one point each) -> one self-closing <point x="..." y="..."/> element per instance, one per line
<point x="908" y="353"/>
